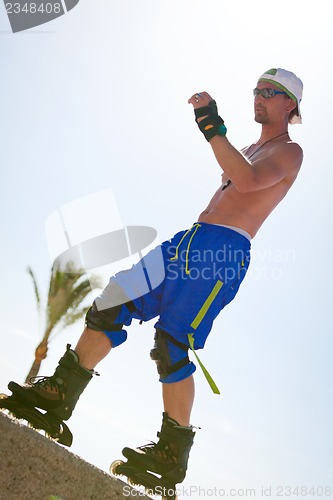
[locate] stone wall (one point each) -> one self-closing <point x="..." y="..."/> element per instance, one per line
<point x="33" y="467"/>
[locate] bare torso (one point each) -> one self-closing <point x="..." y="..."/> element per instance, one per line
<point x="249" y="210"/>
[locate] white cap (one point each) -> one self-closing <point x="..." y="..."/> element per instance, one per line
<point x="289" y="83"/>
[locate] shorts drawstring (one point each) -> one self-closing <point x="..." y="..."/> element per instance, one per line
<point x="194" y="229"/>
<point x="207" y="375"/>
<point x="196" y="226"/>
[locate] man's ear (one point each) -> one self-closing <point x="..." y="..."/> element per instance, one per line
<point x="291" y="105"/>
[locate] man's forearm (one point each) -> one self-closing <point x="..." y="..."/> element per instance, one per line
<point x="232" y="162"/>
<point x="236" y="167"/>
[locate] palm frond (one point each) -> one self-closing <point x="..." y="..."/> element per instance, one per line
<point x="73" y="316"/>
<point x="36" y="289"/>
<point x="67" y="291"/>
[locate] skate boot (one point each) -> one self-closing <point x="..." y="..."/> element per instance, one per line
<point x="166" y="460"/>
<point x="57" y="395"/>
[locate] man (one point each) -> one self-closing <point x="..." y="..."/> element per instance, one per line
<point x="204" y="267"/>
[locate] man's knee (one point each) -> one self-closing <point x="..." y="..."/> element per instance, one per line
<point x="171" y="358"/>
<point x="105" y="321"/>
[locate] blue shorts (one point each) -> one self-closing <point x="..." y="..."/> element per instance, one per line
<point x="203" y="268"/>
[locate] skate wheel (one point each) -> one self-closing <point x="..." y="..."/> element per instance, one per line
<point x="149" y="492"/>
<point x="132" y="482"/>
<point x="114" y="466"/>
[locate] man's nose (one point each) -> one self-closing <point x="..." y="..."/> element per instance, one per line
<point x="258" y="98"/>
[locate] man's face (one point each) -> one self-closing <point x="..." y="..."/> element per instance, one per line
<point x="270" y="109"/>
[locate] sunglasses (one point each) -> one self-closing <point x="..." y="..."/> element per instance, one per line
<point x="266" y="93"/>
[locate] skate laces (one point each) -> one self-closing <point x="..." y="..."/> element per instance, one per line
<point x="159" y="449"/>
<point x="47" y="382"/>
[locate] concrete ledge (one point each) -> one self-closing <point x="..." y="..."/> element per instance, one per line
<point x="33" y="467"/>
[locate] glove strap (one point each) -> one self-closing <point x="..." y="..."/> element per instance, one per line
<point x="210" y="110"/>
<point x="212" y="126"/>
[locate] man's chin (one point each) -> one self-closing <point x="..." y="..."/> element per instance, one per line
<point x="259" y="119"/>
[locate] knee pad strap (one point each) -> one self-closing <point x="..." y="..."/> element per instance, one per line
<point x="171" y="358"/>
<point x="104" y="321"/>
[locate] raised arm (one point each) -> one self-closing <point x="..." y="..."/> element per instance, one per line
<point x="280" y="161"/>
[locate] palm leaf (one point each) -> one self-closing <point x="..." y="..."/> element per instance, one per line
<point x="68" y="288"/>
<point x="72" y="317"/>
<point x="36" y="290"/>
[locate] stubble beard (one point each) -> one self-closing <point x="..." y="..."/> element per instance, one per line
<point x="261" y="117"/>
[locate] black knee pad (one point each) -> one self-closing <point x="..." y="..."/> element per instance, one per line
<point x="168" y="354"/>
<point x="104" y="319"/>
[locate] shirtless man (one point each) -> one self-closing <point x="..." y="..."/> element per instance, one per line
<point x="262" y="174"/>
<point x="204" y="267"/>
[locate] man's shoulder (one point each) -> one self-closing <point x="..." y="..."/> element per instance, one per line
<point x="289" y="150"/>
<point x="290" y="147"/>
<point x="285" y="157"/>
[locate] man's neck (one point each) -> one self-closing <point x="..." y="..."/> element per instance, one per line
<point x="268" y="132"/>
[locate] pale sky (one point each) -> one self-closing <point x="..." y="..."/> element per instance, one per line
<point x="97" y="100"/>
